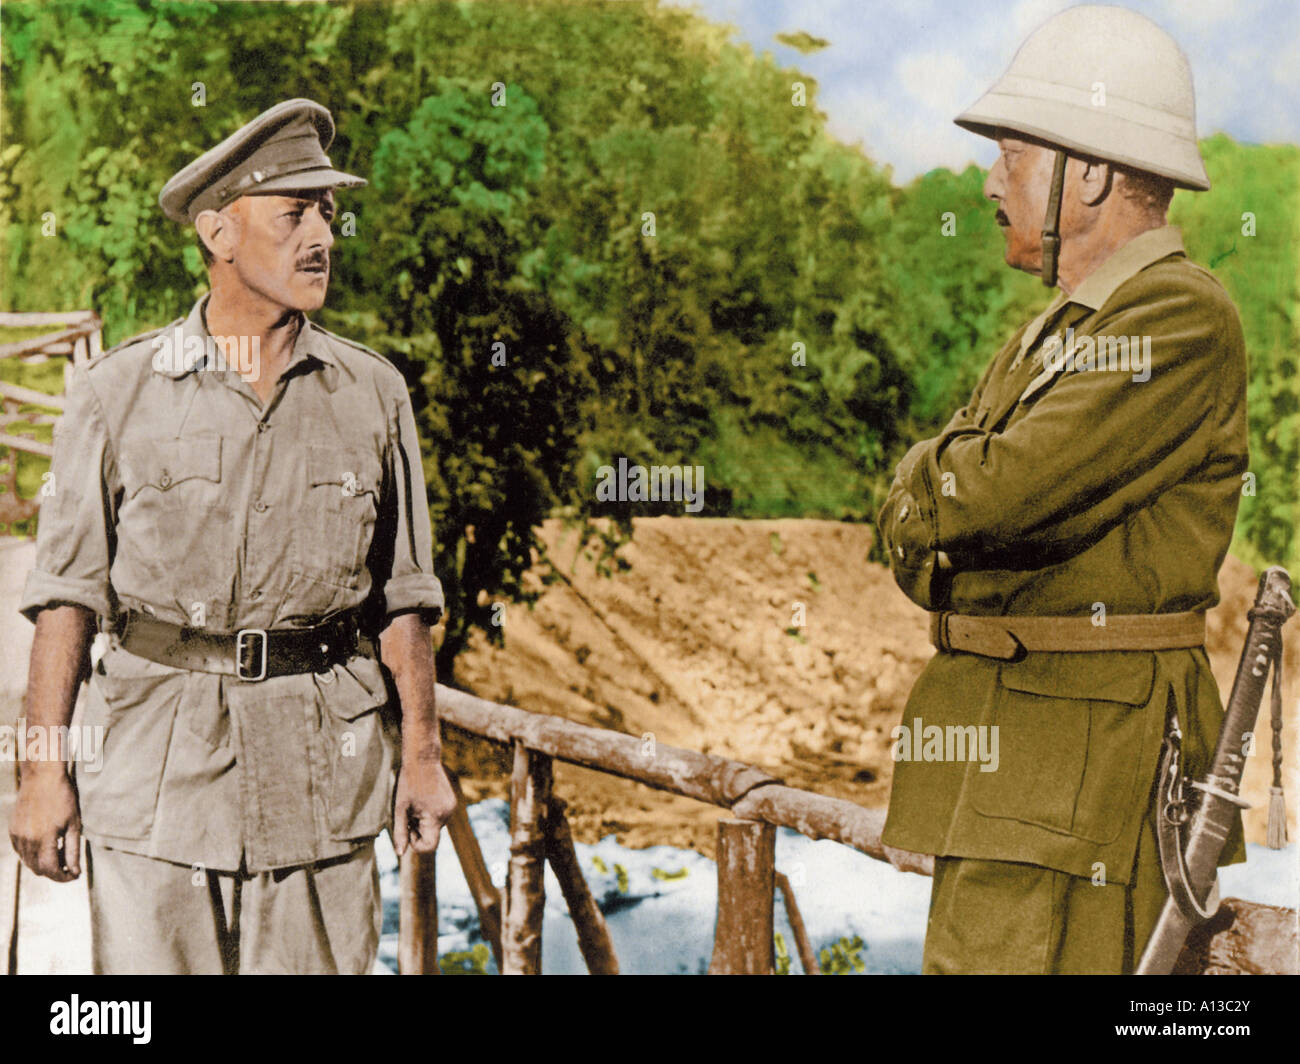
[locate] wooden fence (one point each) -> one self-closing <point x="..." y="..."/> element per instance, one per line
<point x="76" y="338"/>
<point x="539" y="832"/>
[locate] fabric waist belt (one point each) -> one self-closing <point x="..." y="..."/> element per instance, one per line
<point x="1008" y="638"/>
<point x="250" y="653"/>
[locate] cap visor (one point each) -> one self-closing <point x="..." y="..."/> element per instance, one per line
<point x="305" y="180"/>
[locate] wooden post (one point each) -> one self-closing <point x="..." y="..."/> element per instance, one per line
<point x="742" y="941"/>
<point x="530" y="792"/>
<point x="593" y="935"/>
<point x="487" y="899"/>
<point x="806" y="956"/>
<point x="417" y="941"/>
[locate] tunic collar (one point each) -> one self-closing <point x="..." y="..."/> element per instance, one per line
<point x="1133" y="257"/>
<point x="1100" y="285"/>
<point x="186" y="345"/>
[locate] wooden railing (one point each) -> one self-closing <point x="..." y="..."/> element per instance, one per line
<point x="539" y="832"/>
<point x="77" y="339"/>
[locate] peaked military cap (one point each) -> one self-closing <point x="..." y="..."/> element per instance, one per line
<point x="281" y="150"/>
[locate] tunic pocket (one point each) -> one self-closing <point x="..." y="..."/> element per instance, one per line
<point x="339" y="520"/>
<point x="134" y="701"/>
<point x="1071" y="736"/>
<point x="360" y="750"/>
<point x="177" y="509"/>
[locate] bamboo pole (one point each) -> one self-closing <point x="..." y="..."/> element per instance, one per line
<point x="487" y="899"/>
<point x="750" y="792"/>
<point x="742" y="941"/>
<point x="593" y="935"/>
<point x="806" y="956"/>
<point x="417" y="945"/>
<point x="67" y="317"/>
<point x="19" y="394"/>
<point x="50" y="343"/>
<point x="530" y="792"/>
<point x="819" y="817"/>
<point x="22" y="443"/>
<point x="702" y="776"/>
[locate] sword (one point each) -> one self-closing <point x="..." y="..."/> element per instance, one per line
<point x="1191" y="865"/>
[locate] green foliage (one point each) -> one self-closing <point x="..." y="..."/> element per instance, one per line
<point x="782" y="954"/>
<point x="1247" y="228"/>
<point x="957" y="298"/>
<point x="457" y="182"/>
<point x="473" y="961"/>
<point x="843" y="957"/>
<point x="682" y="267"/>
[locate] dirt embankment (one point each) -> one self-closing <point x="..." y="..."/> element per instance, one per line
<point x="771" y="642"/>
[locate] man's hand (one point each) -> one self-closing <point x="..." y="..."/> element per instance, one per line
<point x="425" y="802"/>
<point x="45" y="827"/>
<point x="425" y="799"/>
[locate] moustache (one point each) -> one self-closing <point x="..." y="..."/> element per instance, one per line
<point x="312" y="262"/>
<point x="1001" y="218"/>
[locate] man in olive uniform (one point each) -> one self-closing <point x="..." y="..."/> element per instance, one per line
<point x="239" y="499"/>
<point x="1067" y="526"/>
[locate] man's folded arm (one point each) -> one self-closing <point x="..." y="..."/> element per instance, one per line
<point x="915" y="566"/>
<point x="1096" y="446"/>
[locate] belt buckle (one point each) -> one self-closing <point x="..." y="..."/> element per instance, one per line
<point x="239" y="653"/>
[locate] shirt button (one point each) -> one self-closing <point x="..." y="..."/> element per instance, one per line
<point x="166" y="479"/>
<point x="255" y="594"/>
<point x="262" y="426"/>
<point x="259" y="506"/>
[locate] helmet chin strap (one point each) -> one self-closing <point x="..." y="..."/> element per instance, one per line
<point x="1052" y="223"/>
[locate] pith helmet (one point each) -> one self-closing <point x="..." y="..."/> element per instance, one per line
<point x="1105" y="82"/>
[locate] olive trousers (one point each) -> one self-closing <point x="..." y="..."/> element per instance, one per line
<point x="153" y="917"/>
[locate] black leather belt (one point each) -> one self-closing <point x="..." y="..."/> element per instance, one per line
<point x="250" y="653"/>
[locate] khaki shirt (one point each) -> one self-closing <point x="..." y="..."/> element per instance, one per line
<point x="177" y="493"/>
<point x="1059" y="490"/>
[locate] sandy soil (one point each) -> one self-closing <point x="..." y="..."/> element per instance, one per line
<point x="699" y="643"/>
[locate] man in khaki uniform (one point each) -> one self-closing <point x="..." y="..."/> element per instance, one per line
<point x="247" y="519"/>
<point x="1067" y="526"/>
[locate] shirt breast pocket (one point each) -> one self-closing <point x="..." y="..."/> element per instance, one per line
<point x="342" y="501"/>
<point x="1072" y="737"/>
<point x="176" y="517"/>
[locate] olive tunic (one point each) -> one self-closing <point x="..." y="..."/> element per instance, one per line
<point x="1074" y="487"/>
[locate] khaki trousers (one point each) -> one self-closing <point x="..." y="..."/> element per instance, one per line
<point x="154" y="917"/>
<point x="1003" y="918"/>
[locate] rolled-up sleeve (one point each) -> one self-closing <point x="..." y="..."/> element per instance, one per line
<point x="404" y="573"/>
<point x="76" y="537"/>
